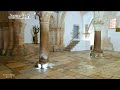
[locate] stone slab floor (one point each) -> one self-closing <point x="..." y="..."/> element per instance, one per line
<point x="66" y="65"/>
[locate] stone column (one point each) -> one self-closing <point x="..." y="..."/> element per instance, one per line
<point x="54" y="39"/>
<point x="19" y="40"/>
<point x="10" y="34"/>
<point x="16" y="28"/>
<point x="1" y="39"/>
<point x="6" y="40"/>
<point x="61" y="38"/>
<point x="4" y="37"/>
<point x="97" y="40"/>
<point x="57" y="41"/>
<point x="11" y="38"/>
<point x="55" y="36"/>
<point x="4" y="32"/>
<point x="44" y="42"/>
<point x="58" y="36"/>
<point x="53" y="32"/>
<point x="51" y="39"/>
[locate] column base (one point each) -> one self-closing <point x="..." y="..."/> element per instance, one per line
<point x="3" y="52"/>
<point x="41" y="63"/>
<point x="58" y="48"/>
<point x="51" y="48"/>
<point x="62" y="48"/>
<point x="46" y="65"/>
<point x="7" y="52"/>
<point x="0" y="51"/>
<point x="96" y="53"/>
<point x="18" y="51"/>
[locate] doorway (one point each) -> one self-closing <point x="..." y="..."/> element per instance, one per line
<point x="75" y="31"/>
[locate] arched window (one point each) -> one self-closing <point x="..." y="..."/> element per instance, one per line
<point x="112" y="24"/>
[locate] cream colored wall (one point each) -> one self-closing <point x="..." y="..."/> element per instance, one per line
<point x="29" y="28"/>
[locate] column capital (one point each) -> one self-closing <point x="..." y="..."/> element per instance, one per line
<point x="98" y="24"/>
<point x="45" y="22"/>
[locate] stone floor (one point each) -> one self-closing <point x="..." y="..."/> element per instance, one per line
<point x="66" y="65"/>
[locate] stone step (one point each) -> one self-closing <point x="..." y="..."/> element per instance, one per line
<point x="71" y="45"/>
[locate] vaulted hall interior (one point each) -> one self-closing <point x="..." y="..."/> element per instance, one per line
<point x="59" y="44"/>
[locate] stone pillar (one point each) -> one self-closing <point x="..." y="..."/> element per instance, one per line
<point x="16" y="38"/>
<point x="1" y="39"/>
<point x="44" y="39"/>
<point x="58" y="36"/>
<point x="4" y="32"/>
<point x="61" y="39"/>
<point x="6" y="40"/>
<point x="19" y="40"/>
<point x="53" y="32"/>
<point x="11" y="38"/>
<point x="97" y="40"/>
<point x="10" y="34"/>
<point x="57" y="40"/>
<point x="4" y="36"/>
<point x="51" y="39"/>
<point x="44" y="42"/>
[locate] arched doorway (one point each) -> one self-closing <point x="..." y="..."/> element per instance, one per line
<point x="31" y="35"/>
<point x="71" y="21"/>
<point x="30" y="23"/>
<point x="74" y="19"/>
<point x="88" y="29"/>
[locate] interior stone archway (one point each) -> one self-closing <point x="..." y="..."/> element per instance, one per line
<point x="62" y="26"/>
